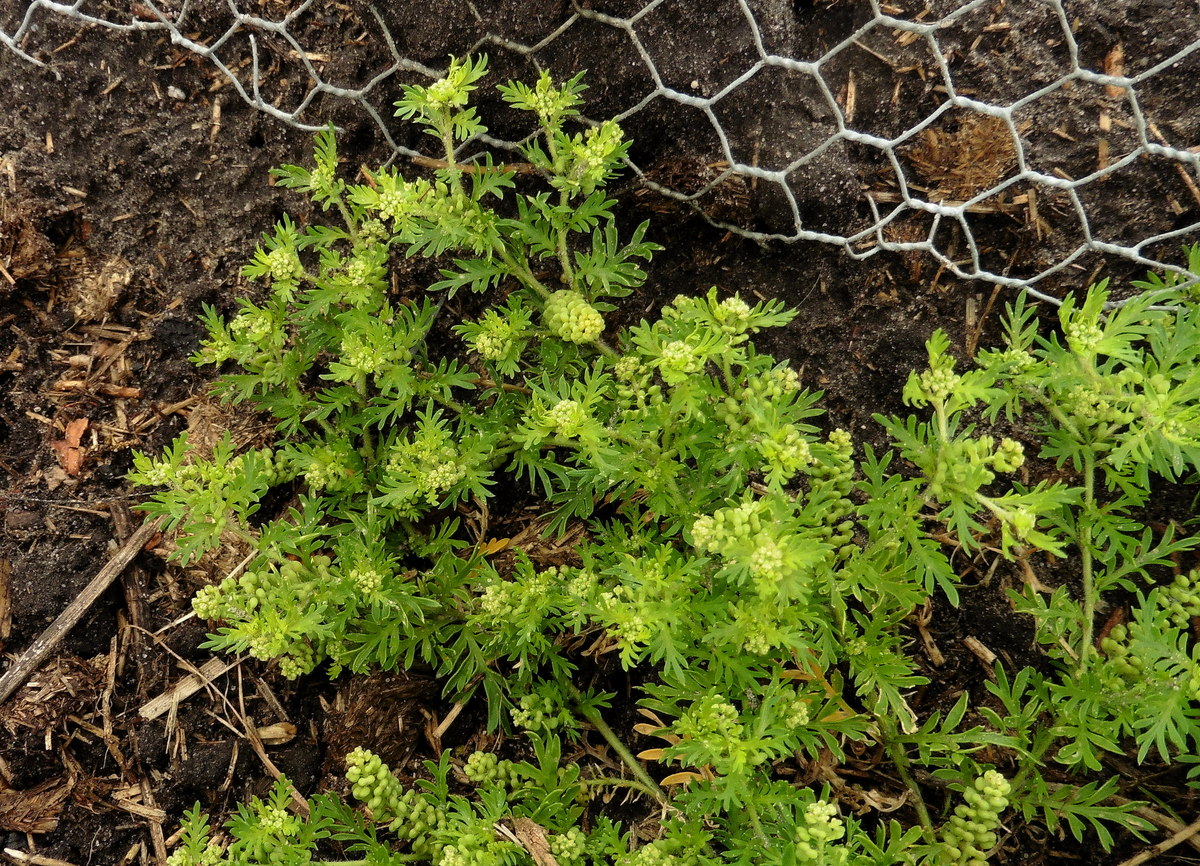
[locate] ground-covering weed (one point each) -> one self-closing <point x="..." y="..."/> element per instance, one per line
<point x="760" y="577"/>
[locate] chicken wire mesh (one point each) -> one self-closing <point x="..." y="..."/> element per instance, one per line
<point x="1032" y="144"/>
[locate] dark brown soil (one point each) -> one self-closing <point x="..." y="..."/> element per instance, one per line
<point x="127" y="200"/>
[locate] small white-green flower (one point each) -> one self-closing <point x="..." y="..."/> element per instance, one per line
<point x="569" y="316"/>
<point x="284" y="265"/>
<point x="567" y="417"/>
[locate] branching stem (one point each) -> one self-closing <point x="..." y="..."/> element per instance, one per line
<point x="597" y="721"/>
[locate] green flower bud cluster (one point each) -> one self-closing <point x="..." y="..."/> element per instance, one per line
<point x="407" y="812"/>
<point x="1180" y="599"/>
<point x="367" y="579"/>
<point x="679" y="359"/>
<point x="1126" y="667"/>
<point x="1099" y="405"/>
<point x="301" y="660"/>
<point x="323" y="180"/>
<point x="567" y="418"/>
<point x="757" y="620"/>
<point x="1009" y="456"/>
<point x="331" y="464"/>
<point x="592" y="158"/>
<point x="656" y="853"/>
<point x="626" y="619"/>
<point x="741" y="534"/>
<point x="363" y="278"/>
<point x="283" y="264"/>
<point x="767" y="559"/>
<point x="523" y="599"/>
<point x="422" y="468"/>
<point x="371" y="232"/>
<point x="712" y="533"/>
<point x="714" y="725"/>
<point x="258" y="327"/>
<point x="635" y="385"/>
<point x="785" y="452"/>
<point x="938" y="383"/>
<point x="549" y="102"/>
<point x="542" y="711"/>
<point x="568" y="848"/>
<point x="270" y="469"/>
<point x="976" y="462"/>
<point x="1083" y="337"/>
<point x="830" y="483"/>
<point x="212" y="855"/>
<point x="741" y="411"/>
<point x="486" y="768"/>
<point x="732" y="315"/>
<point x="797" y="712"/>
<point x="275" y="838"/>
<point x="397" y="199"/>
<point x="971" y="831"/>
<point x="1018" y="359"/>
<point x="813" y="838"/>
<point x="360" y="358"/>
<point x="239" y="597"/>
<point x="477" y="846"/>
<point x="570" y="317"/>
<point x="495" y="338"/>
<point x="1175" y="604"/>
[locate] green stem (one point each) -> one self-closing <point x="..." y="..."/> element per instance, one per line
<point x="756" y="822"/>
<point x="1086" y="515"/>
<point x="612" y="781"/>
<point x="368" y="440"/>
<point x="351" y="224"/>
<point x="895" y="750"/>
<point x="564" y="255"/>
<point x="452" y="168"/>
<point x="597" y="721"/>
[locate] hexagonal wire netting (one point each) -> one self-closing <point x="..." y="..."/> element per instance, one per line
<point x="1032" y="144"/>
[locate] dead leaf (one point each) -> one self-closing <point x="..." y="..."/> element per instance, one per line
<point x="685" y="777"/>
<point x="494" y="546"/>
<point x="70" y="452"/>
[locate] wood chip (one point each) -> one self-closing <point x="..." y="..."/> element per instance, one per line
<point x="70" y="452"/>
<point x="34" y="859"/>
<point x="277" y="734"/>
<point x="5" y="600"/>
<point x="532" y="837"/>
<point x="35" y="810"/>
<point x="185" y="687"/>
<point x="980" y="651"/>
<point x="149" y="812"/>
<point x="1114" y="65"/>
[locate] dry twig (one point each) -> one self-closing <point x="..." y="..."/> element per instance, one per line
<point x="41" y="647"/>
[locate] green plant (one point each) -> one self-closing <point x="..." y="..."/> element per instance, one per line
<point x="758" y="578"/>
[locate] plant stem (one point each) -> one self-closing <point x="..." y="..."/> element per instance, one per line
<point x="612" y="781"/>
<point x="1085" y="552"/>
<point x="447" y="136"/>
<point x="597" y="721"/>
<point x="896" y="751"/>
<point x="756" y="822"/>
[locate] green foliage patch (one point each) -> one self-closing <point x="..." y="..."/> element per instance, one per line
<point x="760" y="576"/>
